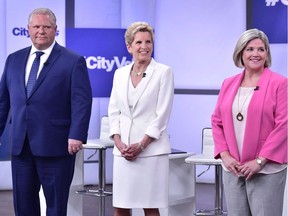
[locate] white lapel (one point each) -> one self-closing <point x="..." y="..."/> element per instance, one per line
<point x="145" y="80"/>
<point x="124" y="85"/>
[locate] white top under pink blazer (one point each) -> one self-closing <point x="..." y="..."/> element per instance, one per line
<point x="150" y="112"/>
<point x="266" y="125"/>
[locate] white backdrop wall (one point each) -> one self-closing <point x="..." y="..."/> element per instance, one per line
<point x="198" y="42"/>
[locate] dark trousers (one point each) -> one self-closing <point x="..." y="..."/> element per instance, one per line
<point x="29" y="172"/>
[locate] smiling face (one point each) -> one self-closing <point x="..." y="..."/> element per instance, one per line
<point x="254" y="56"/>
<point x="142" y="47"/>
<point x="42" y="31"/>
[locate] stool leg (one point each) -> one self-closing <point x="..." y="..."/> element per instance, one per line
<point x="218" y="191"/>
<point x="102" y="172"/>
<point x="102" y="206"/>
<point x="101" y="177"/>
<point x="101" y="193"/>
<point x="102" y="181"/>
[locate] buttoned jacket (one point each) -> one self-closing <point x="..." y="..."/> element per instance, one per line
<point x="58" y="108"/>
<point x="150" y="112"/>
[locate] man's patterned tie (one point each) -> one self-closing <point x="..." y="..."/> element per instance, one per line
<point x="33" y="73"/>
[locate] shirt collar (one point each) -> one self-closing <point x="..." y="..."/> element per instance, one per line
<point x="46" y="51"/>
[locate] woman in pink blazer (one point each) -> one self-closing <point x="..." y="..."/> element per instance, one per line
<point x="139" y="110"/>
<point x="249" y="127"/>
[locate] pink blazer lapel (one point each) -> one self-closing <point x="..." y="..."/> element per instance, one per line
<point x="234" y="86"/>
<point x="253" y="124"/>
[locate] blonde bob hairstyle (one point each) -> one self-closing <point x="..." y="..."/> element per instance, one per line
<point x="245" y="38"/>
<point x="137" y="27"/>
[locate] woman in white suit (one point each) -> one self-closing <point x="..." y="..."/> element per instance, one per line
<point x="139" y="110"/>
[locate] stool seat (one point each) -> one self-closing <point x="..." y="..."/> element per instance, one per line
<point x="202" y="159"/>
<point x="98" y="144"/>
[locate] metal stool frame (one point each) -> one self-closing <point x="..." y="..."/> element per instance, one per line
<point x="100" y="145"/>
<point x="207" y="158"/>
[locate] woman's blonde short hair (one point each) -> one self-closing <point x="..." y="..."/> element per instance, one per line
<point x="245" y="38"/>
<point x="137" y="27"/>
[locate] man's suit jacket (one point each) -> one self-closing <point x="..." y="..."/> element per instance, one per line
<point x="266" y="125"/>
<point x="150" y="112"/>
<point x="59" y="106"/>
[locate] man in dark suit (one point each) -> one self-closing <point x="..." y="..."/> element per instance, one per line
<point x="48" y="117"/>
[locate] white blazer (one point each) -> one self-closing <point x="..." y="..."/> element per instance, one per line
<point x="151" y="111"/>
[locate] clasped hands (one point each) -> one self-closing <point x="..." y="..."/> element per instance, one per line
<point x="130" y="152"/>
<point x="247" y="169"/>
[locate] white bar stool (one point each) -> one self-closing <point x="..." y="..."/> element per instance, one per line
<point x="100" y="145"/>
<point x="207" y="158"/>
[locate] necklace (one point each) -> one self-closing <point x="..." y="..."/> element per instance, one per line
<point x="137" y="73"/>
<point x="240" y="116"/>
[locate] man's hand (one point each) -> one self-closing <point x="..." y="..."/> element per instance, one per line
<point x="74" y="146"/>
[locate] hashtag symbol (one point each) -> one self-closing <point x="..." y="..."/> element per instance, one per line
<point x="271" y="2"/>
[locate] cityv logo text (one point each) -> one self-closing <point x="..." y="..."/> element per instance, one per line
<point x="273" y="2"/>
<point x="99" y="62"/>
<point x="20" y="31"/>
